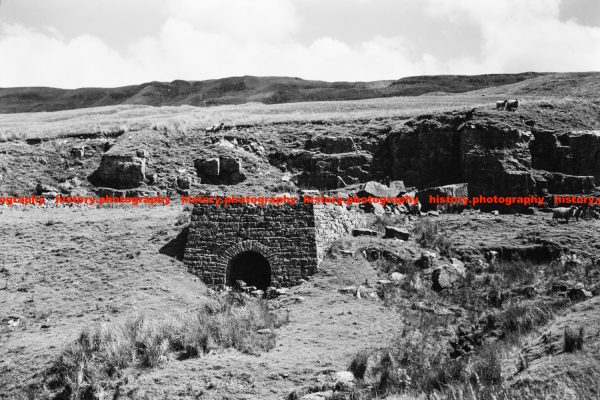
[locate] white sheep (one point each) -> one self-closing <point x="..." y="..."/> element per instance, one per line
<point x="565" y="213"/>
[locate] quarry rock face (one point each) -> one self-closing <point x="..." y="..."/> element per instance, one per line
<point x="496" y="160"/>
<point x="424" y="153"/>
<point x="493" y="154"/>
<point x="332" y="144"/>
<point x="570" y="153"/>
<point x="120" y="171"/>
<point x="331" y="171"/>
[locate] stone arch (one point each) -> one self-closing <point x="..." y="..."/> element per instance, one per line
<point x="248" y="261"/>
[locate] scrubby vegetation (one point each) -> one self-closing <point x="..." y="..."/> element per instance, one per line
<point x="96" y="360"/>
<point x="463" y="355"/>
<point x="428" y="235"/>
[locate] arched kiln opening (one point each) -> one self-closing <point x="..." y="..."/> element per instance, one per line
<point x="250" y="267"/>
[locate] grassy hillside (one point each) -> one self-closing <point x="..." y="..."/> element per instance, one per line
<point x="577" y="84"/>
<point x="238" y="90"/>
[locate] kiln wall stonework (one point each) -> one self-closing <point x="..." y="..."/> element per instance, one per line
<point x="332" y="222"/>
<point x="293" y="239"/>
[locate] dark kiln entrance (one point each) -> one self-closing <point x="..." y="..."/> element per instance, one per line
<point x="250" y="267"/>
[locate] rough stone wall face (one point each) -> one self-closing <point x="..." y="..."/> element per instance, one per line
<point x="332" y="222"/>
<point x="293" y="239"/>
<point x="572" y="153"/>
<point x="284" y="235"/>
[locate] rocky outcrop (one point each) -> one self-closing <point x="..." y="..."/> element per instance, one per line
<point x="570" y="153"/>
<point x="330" y="171"/>
<point x="495" y="154"/>
<point x="225" y="170"/>
<point x="424" y="151"/>
<point x="495" y="159"/>
<point x="332" y="144"/>
<point x="120" y="171"/>
<point x="556" y="182"/>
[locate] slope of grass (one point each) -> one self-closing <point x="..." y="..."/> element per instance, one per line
<point x="115" y="119"/>
<point x="239" y="90"/>
<point x="94" y="363"/>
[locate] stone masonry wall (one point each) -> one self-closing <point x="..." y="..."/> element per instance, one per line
<point x="284" y="235"/>
<point x="332" y="222"/>
<point x="293" y="239"/>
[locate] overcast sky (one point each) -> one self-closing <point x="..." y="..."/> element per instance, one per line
<point x="76" y="43"/>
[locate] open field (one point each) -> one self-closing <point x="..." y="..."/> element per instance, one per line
<point x="114" y="119"/>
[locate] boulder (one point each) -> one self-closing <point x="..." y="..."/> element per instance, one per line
<point x="184" y="182"/>
<point x="396" y="232"/>
<point x="446" y="276"/>
<point x="223" y="170"/>
<point x="119" y="171"/>
<point x="397" y="187"/>
<point x="375" y="189"/>
<point x="364" y="232"/>
<point x="209" y="167"/>
<point x="230" y="165"/>
<point x="432" y="198"/>
<point x="344" y="381"/>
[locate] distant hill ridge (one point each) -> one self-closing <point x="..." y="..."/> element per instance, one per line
<point x="237" y="90"/>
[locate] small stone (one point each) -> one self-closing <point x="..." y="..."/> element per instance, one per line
<point x="363" y="232"/>
<point x="318" y="396"/>
<point x="395" y="232"/>
<point x="141" y="153"/>
<point x="348" y="290"/>
<point x="397" y="276"/>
